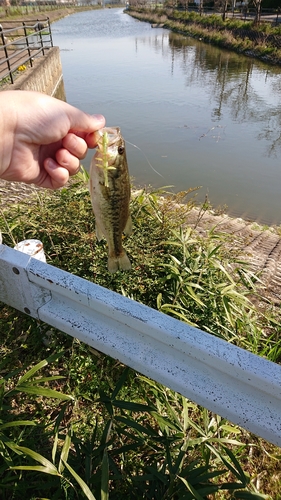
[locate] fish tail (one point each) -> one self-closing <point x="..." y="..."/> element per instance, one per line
<point x="120" y="263"/>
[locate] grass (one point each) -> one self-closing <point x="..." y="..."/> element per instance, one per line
<point x="75" y="423"/>
<point x="229" y="34"/>
<point x="54" y="12"/>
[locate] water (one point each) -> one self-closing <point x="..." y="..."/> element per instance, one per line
<point x="201" y="115"/>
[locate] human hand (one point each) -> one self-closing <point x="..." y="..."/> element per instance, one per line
<point x="43" y="138"/>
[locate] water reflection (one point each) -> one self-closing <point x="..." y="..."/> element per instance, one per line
<point x="237" y="83"/>
<point x="203" y="116"/>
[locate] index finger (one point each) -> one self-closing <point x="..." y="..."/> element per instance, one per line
<point x="92" y="139"/>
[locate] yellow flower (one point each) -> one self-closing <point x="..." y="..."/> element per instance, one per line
<point x="22" y="67"/>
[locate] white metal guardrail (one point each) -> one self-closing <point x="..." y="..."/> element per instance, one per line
<point x="242" y="387"/>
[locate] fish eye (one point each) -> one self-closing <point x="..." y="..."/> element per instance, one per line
<point x="121" y="150"/>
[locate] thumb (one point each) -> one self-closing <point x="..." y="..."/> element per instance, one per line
<point x="86" y="126"/>
<point x="83" y="122"/>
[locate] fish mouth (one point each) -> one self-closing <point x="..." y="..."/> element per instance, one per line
<point x="108" y="145"/>
<point x="113" y="135"/>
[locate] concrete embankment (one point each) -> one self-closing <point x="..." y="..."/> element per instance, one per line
<point x="259" y="246"/>
<point x="45" y="76"/>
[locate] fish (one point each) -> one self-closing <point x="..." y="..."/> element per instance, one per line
<point x="110" y="191"/>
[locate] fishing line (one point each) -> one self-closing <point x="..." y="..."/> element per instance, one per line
<point x="154" y="170"/>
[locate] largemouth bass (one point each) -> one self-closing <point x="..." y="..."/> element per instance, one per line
<point x="110" y="194"/>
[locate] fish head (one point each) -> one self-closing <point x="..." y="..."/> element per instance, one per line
<point x="111" y="148"/>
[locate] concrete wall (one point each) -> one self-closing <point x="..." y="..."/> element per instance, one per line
<point x="45" y="76"/>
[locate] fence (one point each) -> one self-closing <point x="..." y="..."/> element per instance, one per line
<point x="239" y="11"/>
<point x="21" y="42"/>
<point x="238" y="385"/>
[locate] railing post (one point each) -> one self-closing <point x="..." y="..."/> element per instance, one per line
<point x="41" y="39"/>
<point x="50" y="31"/>
<point x="27" y="44"/>
<point x="6" y="54"/>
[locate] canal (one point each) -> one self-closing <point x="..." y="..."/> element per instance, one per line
<point x="192" y="114"/>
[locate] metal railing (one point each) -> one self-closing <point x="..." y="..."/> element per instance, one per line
<point x="272" y="16"/>
<point x="238" y="385"/>
<point x="20" y="43"/>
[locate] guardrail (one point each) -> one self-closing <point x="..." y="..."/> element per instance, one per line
<point x="20" y="43"/>
<point x="238" y="385"/>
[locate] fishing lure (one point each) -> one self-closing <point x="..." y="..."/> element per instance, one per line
<point x="105" y="156"/>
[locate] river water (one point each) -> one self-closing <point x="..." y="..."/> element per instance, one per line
<point x="201" y="116"/>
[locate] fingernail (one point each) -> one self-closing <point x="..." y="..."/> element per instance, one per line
<point x="50" y="164"/>
<point x="99" y="118"/>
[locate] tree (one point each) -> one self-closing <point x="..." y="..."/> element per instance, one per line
<point x="257" y="5"/>
<point x="183" y="4"/>
<point x="222" y="5"/>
